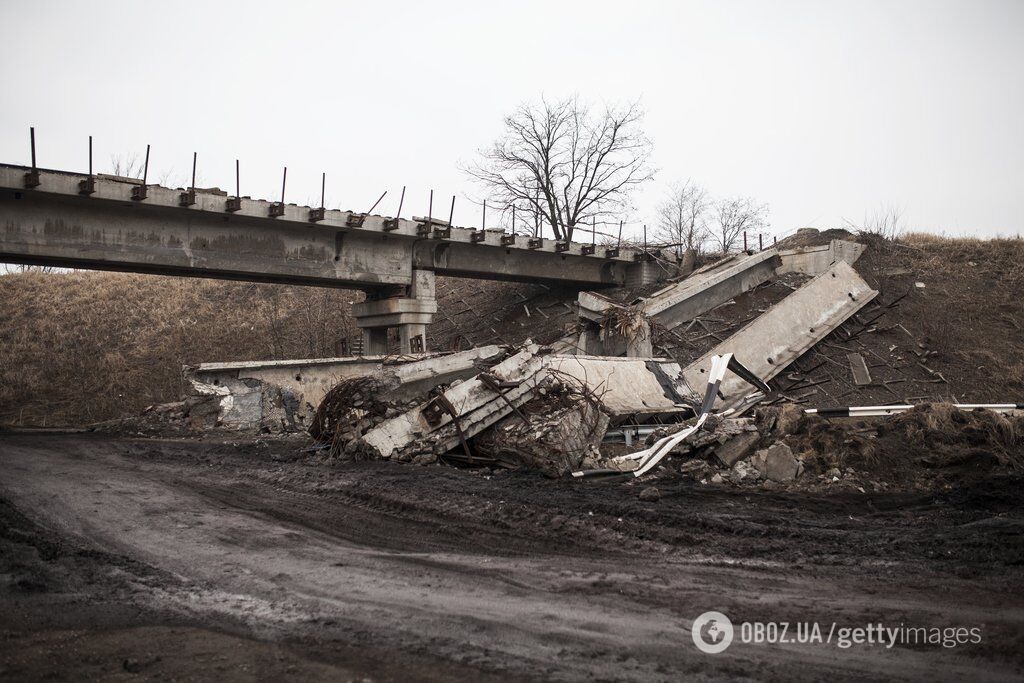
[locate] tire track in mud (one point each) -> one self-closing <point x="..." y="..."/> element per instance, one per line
<point x="432" y="508"/>
<point x="462" y="520"/>
<point x="380" y="519"/>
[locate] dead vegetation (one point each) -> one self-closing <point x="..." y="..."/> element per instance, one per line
<point x="84" y="347"/>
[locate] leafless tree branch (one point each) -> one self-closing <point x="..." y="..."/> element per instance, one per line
<point x="562" y="163"/>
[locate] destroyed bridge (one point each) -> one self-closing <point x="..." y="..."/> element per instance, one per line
<point x="64" y="219"/>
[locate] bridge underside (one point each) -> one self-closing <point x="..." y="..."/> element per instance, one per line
<point x="125" y="226"/>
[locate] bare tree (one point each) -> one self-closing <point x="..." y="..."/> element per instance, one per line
<point x="563" y="164"/>
<point x="682" y="218"/>
<point x="735" y="216"/>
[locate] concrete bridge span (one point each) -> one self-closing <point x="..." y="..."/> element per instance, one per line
<point x="75" y="220"/>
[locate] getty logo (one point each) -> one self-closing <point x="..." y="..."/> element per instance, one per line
<point x="712" y="632"/>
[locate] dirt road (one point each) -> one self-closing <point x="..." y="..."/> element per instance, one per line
<point x="201" y="559"/>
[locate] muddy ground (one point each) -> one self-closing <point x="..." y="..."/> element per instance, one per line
<point x="239" y="560"/>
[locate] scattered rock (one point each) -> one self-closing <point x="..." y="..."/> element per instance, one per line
<point x="777" y="463"/>
<point x="717" y="479"/>
<point x="650" y="494"/>
<point x="743" y="471"/>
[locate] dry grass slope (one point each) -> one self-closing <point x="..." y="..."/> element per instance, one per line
<point x="84" y="347"/>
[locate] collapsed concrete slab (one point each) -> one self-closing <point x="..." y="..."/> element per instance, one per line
<point x="637" y="388"/>
<point x="816" y="260"/>
<point x="675" y="304"/>
<point x="634" y="388"/>
<point x="786" y="331"/>
<point x="282" y="395"/>
<point x="461" y="411"/>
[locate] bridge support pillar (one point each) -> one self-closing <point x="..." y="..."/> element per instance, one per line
<point x="410" y="309"/>
<point x="375" y="341"/>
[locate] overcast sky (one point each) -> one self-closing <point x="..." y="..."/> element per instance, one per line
<point x="824" y="110"/>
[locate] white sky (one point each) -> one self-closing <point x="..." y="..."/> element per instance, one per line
<point x="824" y="110"/>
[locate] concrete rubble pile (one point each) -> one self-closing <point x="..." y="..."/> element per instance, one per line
<point x="794" y="447"/>
<point x="549" y="408"/>
<point x="562" y="408"/>
<point x="599" y="403"/>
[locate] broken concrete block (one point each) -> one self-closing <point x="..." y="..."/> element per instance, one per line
<point x="737" y="448"/>
<point x="560" y="432"/>
<point x="816" y="260"/>
<point x="777" y="463"/>
<point x="635" y="388"/>
<point x="283" y="394"/>
<point x="743" y="470"/>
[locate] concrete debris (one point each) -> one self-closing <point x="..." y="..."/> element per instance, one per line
<point x="742" y="471"/>
<point x="619" y="389"/>
<point x="737" y="448"/>
<point x="548" y="408"/>
<point x="562" y="429"/>
<point x="604" y="332"/>
<point x="275" y="396"/>
<point x="818" y="259"/>
<point x="649" y="458"/>
<point x="786" y="331"/>
<point x="777" y="463"/>
<point x="354" y="406"/>
<point x="602" y="319"/>
<point x="461" y="411"/>
<point x="634" y="388"/>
